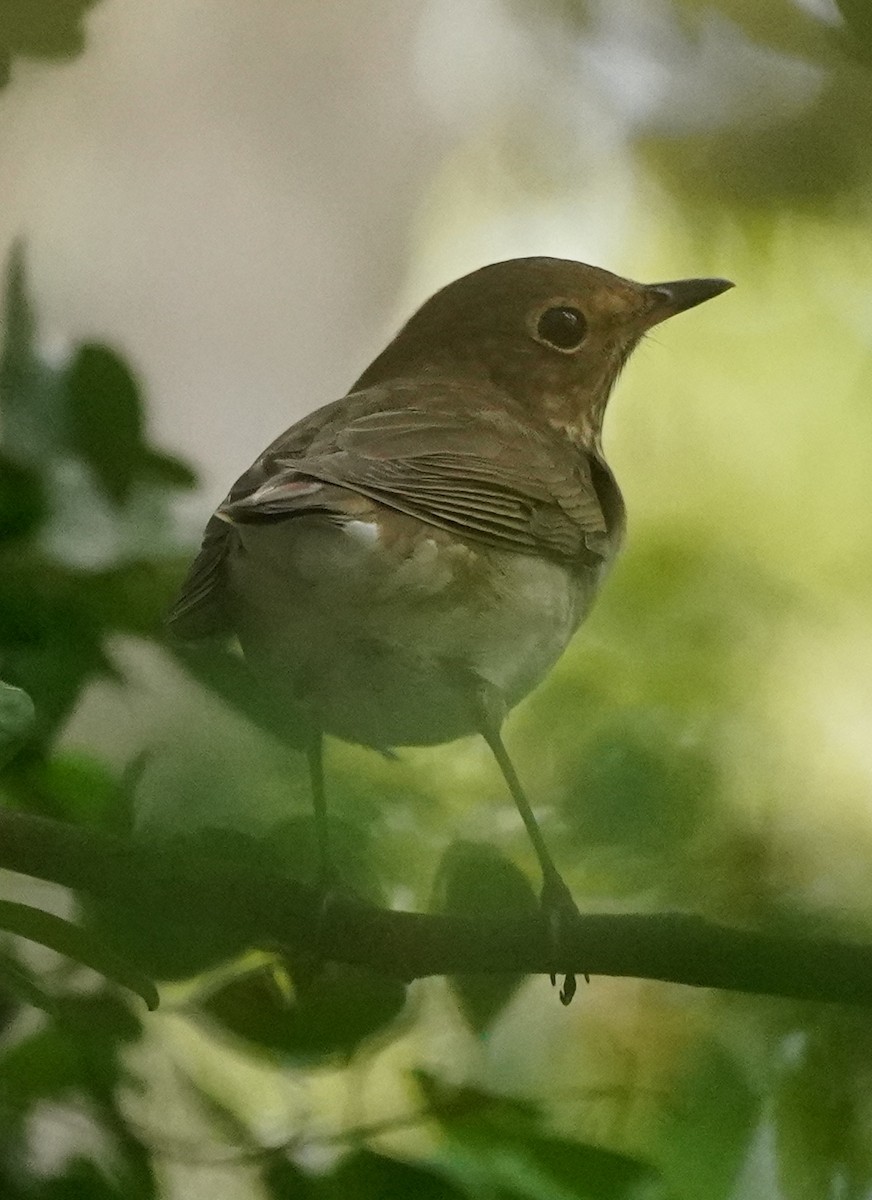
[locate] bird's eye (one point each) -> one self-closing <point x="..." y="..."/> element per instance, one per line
<point x="563" y="328"/>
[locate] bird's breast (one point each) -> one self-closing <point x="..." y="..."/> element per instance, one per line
<point x="379" y="622"/>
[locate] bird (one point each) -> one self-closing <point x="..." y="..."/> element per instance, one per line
<point x="404" y="565"/>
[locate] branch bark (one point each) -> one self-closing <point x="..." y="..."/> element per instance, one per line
<point x="274" y="910"/>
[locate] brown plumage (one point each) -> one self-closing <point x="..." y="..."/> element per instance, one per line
<point x="405" y="564"/>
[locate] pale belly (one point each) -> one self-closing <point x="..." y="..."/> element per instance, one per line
<point x="388" y="646"/>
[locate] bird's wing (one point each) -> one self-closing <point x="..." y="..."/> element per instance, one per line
<point x="199" y="610"/>
<point x="479" y="473"/>
<point x="455" y="461"/>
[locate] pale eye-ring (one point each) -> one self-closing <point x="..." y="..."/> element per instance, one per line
<point x="562" y="327"/>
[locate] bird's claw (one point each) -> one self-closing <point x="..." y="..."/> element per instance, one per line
<point x="561" y="913"/>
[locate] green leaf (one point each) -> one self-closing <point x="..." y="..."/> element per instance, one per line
<point x="75" y="1055"/>
<point x="75" y="943"/>
<point x="23" y="502"/>
<point x="17" y="716"/>
<point x="475" y="879"/>
<point x="77" y="1046"/>
<point x="164" y="940"/>
<point x="168" y="942"/>
<point x="132" y="597"/>
<point x="292" y="846"/>
<point x="83" y="1179"/>
<point x="284" y="1180"/>
<point x="167" y="470"/>
<point x="98" y="1021"/>
<point x="42" y="28"/>
<point x="42" y="1066"/>
<point x="22" y="983"/>
<point x="494" y="1146"/>
<point x="50" y="641"/>
<point x="371" y="1176"/>
<point x="31" y="400"/>
<point x="641" y="785"/>
<point x="706" y="1132"/>
<point x="857" y="16"/>
<point x="105" y="421"/>
<point x="106" y="426"/>
<point x="81" y="788"/>
<point x="821" y="1112"/>
<point x="231" y="679"/>
<point x="336" y="1008"/>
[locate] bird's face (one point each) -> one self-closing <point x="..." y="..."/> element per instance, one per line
<point x="551" y="333"/>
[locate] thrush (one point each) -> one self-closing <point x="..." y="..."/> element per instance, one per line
<point x="404" y="565"/>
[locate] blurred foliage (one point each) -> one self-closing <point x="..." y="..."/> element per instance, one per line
<point x="40" y="29"/>
<point x="705" y="1133"/>
<point x="16" y="718"/>
<point x="823" y="1109"/>
<point x="751" y="110"/>
<point x="330" y="1011"/>
<point x="55" y="616"/>
<point x="165" y="943"/>
<point x="64" y="937"/>
<point x="75" y="1059"/>
<point x="475" y="879"/>
<point x="641" y="743"/>
<point x="498" y="1145"/>
<point x="803" y="145"/>
<point x="74" y="568"/>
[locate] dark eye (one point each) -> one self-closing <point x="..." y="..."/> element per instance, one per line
<point x="563" y="328"/>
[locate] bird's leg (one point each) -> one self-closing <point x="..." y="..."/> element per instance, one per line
<point x="309" y="966"/>
<point x="557" y="903"/>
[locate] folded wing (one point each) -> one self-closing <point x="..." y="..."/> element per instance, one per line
<point x="473" y="470"/>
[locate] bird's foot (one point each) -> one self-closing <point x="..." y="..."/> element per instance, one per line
<point x="561" y="914"/>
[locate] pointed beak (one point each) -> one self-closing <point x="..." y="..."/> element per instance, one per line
<point x="667" y="299"/>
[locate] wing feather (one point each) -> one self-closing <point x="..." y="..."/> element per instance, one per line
<point x="481" y="473"/>
<point x="431" y="450"/>
<point x="199" y="610"/>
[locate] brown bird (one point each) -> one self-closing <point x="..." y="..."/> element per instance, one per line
<point x="404" y="565"/>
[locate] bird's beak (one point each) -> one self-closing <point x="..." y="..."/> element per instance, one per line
<point x="667" y="299"/>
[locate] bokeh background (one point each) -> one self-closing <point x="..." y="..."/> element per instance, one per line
<point x="214" y="215"/>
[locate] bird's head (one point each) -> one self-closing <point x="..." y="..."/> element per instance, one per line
<point x="552" y="333"/>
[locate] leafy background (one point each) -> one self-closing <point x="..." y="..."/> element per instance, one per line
<point x="210" y="225"/>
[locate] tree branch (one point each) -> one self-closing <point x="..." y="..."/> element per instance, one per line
<point x="269" y="909"/>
